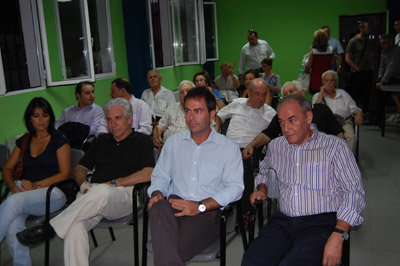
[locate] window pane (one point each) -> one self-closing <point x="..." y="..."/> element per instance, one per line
<point x="210" y="28"/>
<point x="72" y="39"/>
<point x="18" y="42"/>
<point x="185" y="31"/>
<point x="101" y="37"/>
<point x="160" y="23"/>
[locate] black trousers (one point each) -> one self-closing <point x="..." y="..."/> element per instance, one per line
<point x="360" y="88"/>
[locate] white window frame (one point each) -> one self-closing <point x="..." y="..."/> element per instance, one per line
<point x="175" y="42"/>
<point x="49" y="78"/>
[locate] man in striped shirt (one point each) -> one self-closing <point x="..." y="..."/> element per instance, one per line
<point x="321" y="193"/>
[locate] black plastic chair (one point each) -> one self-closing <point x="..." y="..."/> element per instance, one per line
<point x="131" y="219"/>
<point x="217" y="249"/>
<point x="4" y="154"/>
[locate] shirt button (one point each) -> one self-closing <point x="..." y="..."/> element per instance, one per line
<point x="297" y="164"/>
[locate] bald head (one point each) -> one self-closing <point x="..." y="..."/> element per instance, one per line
<point x="258" y="91"/>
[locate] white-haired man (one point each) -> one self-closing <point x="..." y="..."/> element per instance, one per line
<point x="173" y="120"/>
<point x="323" y="118"/>
<point x="157" y="96"/>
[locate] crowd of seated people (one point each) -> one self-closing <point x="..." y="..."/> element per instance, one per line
<point x="187" y="132"/>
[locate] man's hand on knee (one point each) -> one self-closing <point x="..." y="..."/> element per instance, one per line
<point x="333" y="250"/>
<point x="187" y="208"/>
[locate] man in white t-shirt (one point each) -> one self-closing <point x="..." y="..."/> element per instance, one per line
<point x="249" y="116"/>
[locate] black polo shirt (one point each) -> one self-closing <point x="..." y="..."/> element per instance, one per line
<point x="112" y="159"/>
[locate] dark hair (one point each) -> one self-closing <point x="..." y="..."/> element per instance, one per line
<point x="42" y="103"/>
<point x="267" y="61"/>
<point x="300" y="99"/>
<point x="361" y="25"/>
<point x="252" y="32"/>
<point x="78" y="88"/>
<point x="323" y="27"/>
<point x="387" y="37"/>
<point x="253" y="71"/>
<point x="203" y="73"/>
<point x="122" y="83"/>
<point x="202" y="93"/>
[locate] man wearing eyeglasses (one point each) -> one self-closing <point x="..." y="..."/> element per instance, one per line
<point x="254" y="52"/>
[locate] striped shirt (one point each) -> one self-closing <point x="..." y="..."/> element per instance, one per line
<point x="319" y="176"/>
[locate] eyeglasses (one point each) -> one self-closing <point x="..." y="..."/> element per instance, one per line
<point x="199" y="80"/>
<point x="252" y="32"/>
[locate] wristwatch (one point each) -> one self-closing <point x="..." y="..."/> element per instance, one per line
<point x="113" y="183"/>
<point x="202" y="207"/>
<point x="344" y="234"/>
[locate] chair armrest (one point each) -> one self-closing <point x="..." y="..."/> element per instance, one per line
<point x="74" y="189"/>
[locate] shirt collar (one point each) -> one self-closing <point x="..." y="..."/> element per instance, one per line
<point x="211" y="138"/>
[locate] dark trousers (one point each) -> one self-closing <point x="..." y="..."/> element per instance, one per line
<point x="360" y="88"/>
<point x="178" y="239"/>
<point x="291" y="241"/>
<point x="248" y="181"/>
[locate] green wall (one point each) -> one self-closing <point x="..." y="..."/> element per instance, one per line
<point x="12" y="107"/>
<point x="287" y="25"/>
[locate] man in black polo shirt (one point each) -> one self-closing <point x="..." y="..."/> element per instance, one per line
<point x="322" y="117"/>
<point x="121" y="159"/>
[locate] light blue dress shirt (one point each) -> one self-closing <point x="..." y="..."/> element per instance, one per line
<point x="213" y="169"/>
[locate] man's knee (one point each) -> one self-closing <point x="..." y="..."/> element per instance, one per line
<point x="160" y="207"/>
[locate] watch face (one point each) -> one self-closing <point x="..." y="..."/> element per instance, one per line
<point x="202" y="208"/>
<point x="113" y="183"/>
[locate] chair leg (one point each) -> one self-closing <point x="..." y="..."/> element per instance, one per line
<point x="111" y="233"/>
<point x="145" y="235"/>
<point x="260" y="215"/>
<point x="47" y="252"/>
<point x="240" y="222"/>
<point x="223" y="240"/>
<point x="93" y="238"/>
<point x="135" y="227"/>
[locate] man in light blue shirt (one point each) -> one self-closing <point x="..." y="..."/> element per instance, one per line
<point x="85" y="114"/>
<point x="199" y="171"/>
<point x="337" y="50"/>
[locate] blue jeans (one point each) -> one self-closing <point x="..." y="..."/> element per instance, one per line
<point x="14" y="211"/>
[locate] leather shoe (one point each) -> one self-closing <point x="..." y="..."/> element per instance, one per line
<point x="32" y="236"/>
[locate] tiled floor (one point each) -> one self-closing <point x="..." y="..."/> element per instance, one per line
<point x="376" y="243"/>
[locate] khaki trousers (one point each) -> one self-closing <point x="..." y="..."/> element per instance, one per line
<point x="73" y="224"/>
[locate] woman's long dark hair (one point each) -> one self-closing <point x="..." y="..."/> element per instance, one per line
<point x="42" y="103"/>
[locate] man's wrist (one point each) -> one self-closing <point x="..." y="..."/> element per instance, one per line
<point x="156" y="193"/>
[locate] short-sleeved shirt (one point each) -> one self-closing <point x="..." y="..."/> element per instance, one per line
<point x="360" y="58"/>
<point x="45" y="164"/>
<point x="323" y="118"/>
<point x="113" y="159"/>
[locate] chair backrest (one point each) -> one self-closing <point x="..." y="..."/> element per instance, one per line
<point x="76" y="156"/>
<point x="4" y="154"/>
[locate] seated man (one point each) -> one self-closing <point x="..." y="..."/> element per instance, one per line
<point x="121" y="159"/>
<point x="157" y="96"/>
<point x="323" y="118"/>
<point x="248" y="118"/>
<point x="321" y="193"/>
<point x="341" y="104"/>
<point x="199" y="171"/>
<point x="83" y="118"/>
<point x="141" y="119"/>
<point x="174" y="119"/>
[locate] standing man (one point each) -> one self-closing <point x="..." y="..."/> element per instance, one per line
<point x="141" y="119"/>
<point x="199" y="171"/>
<point x="321" y="193"/>
<point x="157" y="96"/>
<point x="254" y="52"/>
<point x="120" y="159"/>
<point x="359" y="56"/>
<point x="85" y="114"/>
<point x="389" y="70"/>
<point x="397" y="29"/>
<point x="248" y="117"/>
<point x="337" y="50"/>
